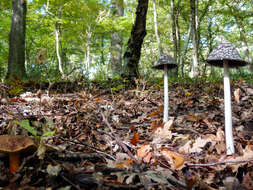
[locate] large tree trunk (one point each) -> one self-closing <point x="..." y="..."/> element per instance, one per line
<point x="116" y="41"/>
<point x="133" y="51"/>
<point x="16" y="60"/>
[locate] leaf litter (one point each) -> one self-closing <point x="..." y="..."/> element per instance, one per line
<point x="96" y="139"/>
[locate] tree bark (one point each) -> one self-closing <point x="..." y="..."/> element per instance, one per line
<point x="116" y="41"/>
<point x="16" y="60"/>
<point x="156" y="29"/>
<point x="194" y="24"/>
<point x="175" y="35"/>
<point x="57" y="33"/>
<point x="186" y="43"/>
<point x="133" y="50"/>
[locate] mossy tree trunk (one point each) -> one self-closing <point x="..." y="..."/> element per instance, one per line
<point x="133" y="50"/>
<point x="16" y="60"/>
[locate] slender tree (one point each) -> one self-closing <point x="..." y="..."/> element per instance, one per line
<point x="116" y="40"/>
<point x="16" y="60"/>
<point x="133" y="50"/>
<point x="156" y="28"/>
<point x="194" y="25"/>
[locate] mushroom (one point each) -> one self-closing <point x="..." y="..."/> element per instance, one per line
<point x="225" y="55"/>
<point x="15" y="145"/>
<point x="165" y="62"/>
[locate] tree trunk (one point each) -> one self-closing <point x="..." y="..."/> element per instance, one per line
<point x="156" y="29"/>
<point x="175" y="35"/>
<point x="16" y="60"/>
<point x="116" y="41"/>
<point x="194" y="24"/>
<point x="133" y="50"/>
<point x="57" y="33"/>
<point x="181" y="59"/>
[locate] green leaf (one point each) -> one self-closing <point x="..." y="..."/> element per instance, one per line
<point x="25" y="124"/>
<point x="48" y="133"/>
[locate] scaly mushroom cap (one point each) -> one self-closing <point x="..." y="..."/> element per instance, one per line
<point x="14" y="145"/>
<point x="225" y="51"/>
<point x="165" y="59"/>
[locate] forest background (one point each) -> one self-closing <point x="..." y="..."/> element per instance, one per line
<point x="80" y="39"/>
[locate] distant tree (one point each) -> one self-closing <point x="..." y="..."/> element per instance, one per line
<point x="116" y="40"/>
<point x="133" y="50"/>
<point x="16" y="60"/>
<point x="194" y="25"/>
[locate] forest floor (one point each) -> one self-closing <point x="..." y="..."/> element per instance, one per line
<point x="100" y="138"/>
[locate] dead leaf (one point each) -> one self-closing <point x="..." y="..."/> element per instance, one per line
<point x="144" y="152"/>
<point x="237" y="95"/>
<point x="173" y="158"/>
<point x="164" y="133"/>
<point x="135" y="139"/>
<point x="123" y="164"/>
<point x="96" y="100"/>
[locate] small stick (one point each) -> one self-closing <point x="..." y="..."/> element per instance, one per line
<point x="220" y="163"/>
<point x="118" y="140"/>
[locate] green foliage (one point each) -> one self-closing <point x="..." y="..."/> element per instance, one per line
<point x="15" y="89"/>
<point x="48" y="128"/>
<point x="86" y="27"/>
<point x="25" y="124"/>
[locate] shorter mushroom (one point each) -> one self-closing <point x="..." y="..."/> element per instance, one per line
<point x="15" y="146"/>
<point x="165" y="62"/>
<point x="225" y="55"/>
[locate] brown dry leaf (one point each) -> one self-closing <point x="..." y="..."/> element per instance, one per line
<point x="197" y="145"/>
<point x="155" y="124"/>
<point x="200" y="143"/>
<point x="248" y="180"/>
<point x="135" y="139"/>
<point x="152" y="114"/>
<point x="237" y="95"/>
<point x="192" y="118"/>
<point x="175" y="159"/>
<point x="123" y="164"/>
<point x="144" y="152"/>
<point x="164" y="133"/>
<point x="220" y="135"/>
<point x="96" y="100"/>
<point x="83" y="95"/>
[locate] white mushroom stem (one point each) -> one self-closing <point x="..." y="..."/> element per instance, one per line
<point x="166" y="96"/>
<point x="228" y="111"/>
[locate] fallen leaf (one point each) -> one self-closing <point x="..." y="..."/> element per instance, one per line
<point x="237" y="95"/>
<point x="135" y="139"/>
<point x="173" y="158"/>
<point x="144" y="152"/>
<point x="164" y="133"/>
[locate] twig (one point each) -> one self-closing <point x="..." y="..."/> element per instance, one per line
<point x="90" y="147"/>
<point x="118" y="140"/>
<point x="70" y="182"/>
<point x="220" y="163"/>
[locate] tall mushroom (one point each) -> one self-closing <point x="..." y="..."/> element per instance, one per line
<point x="165" y="62"/>
<point x="14" y="146"/>
<point x="225" y="55"/>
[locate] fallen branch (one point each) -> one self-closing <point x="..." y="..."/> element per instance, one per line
<point x="220" y="163"/>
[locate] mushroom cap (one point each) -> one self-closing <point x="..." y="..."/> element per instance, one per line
<point x="165" y="59"/>
<point x="225" y="51"/>
<point x="16" y="143"/>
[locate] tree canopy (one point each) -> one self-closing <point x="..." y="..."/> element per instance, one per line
<point x="85" y="29"/>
